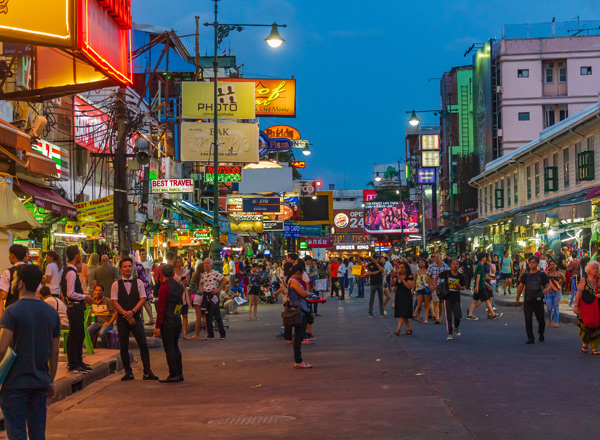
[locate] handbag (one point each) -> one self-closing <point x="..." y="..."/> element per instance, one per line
<point x="589" y="309"/>
<point x="443" y="290"/>
<point x="292" y="315"/>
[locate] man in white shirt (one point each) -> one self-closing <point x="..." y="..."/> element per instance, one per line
<point x="342" y="277"/>
<point x="16" y="255"/>
<point x="231" y="272"/>
<point x="128" y="296"/>
<point x="387" y="270"/>
<point x="350" y="277"/>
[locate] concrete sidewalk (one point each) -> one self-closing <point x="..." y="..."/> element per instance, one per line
<point x="566" y="312"/>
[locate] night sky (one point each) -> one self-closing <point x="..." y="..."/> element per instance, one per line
<point x="359" y="65"/>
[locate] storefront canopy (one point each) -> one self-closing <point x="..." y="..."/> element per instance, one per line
<point x="12" y="137"/>
<point x="13" y="214"/>
<point x="48" y="199"/>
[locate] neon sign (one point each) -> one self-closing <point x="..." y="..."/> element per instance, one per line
<point x="226" y="174"/>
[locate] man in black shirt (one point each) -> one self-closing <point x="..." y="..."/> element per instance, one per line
<point x="535" y="283"/>
<point x="375" y="271"/>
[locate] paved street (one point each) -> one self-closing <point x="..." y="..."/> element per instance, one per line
<point x="366" y="383"/>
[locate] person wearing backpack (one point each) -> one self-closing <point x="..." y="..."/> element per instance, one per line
<point x="535" y="284"/>
<point x="586" y="308"/>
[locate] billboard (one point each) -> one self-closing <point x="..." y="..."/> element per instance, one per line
<point x="482" y="103"/>
<point x="87" y="120"/>
<point x="430" y="142"/>
<point x="317" y="211"/>
<point x="430" y="158"/>
<point x="392" y="217"/>
<point x="226" y="174"/>
<point x="348" y="220"/>
<point x="234" y="100"/>
<point x="273" y="97"/>
<point x="161" y="186"/>
<point x="238" y="142"/>
<point x="283" y="131"/>
<point x="426" y="176"/>
<point x="95" y="210"/>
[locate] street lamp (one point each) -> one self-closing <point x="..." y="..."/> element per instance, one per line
<point x="220" y="32"/>
<point x="414" y="121"/>
<point x="377" y="177"/>
<point x="306" y="151"/>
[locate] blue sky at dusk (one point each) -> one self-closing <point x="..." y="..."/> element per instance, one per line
<point x="359" y="65"/>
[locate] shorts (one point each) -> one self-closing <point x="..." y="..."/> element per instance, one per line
<point x="422" y="292"/>
<point x="434" y="296"/>
<point x="184" y="309"/>
<point x="482" y="295"/>
<point x="197" y="299"/>
<point x="505" y="276"/>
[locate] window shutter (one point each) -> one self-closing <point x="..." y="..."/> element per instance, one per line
<point x="550" y="179"/>
<point x="585" y="165"/>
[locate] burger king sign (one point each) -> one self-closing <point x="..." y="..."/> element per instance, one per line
<point x="341" y="220"/>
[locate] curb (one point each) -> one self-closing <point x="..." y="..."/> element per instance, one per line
<point x="563" y="317"/>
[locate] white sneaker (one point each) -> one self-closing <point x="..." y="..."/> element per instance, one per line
<point x="449" y="338"/>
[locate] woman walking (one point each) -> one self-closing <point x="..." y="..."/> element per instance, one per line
<point x="455" y="281"/>
<point x="182" y="276"/>
<point x="506" y="272"/>
<point x="403" y="282"/>
<point x="196" y="290"/>
<point x="587" y="292"/>
<point x="297" y="295"/>
<point x="557" y="280"/>
<point x="422" y="290"/>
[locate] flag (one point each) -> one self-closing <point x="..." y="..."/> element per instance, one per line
<point x="224" y="52"/>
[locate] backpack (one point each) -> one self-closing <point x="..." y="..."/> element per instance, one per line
<point x="533" y="287"/>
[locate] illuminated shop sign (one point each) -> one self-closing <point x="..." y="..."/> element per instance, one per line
<point x="226" y="174"/>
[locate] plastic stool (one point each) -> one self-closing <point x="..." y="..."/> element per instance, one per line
<point x="87" y="341"/>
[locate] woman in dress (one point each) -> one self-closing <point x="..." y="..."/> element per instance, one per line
<point x="587" y="289"/>
<point x="557" y="280"/>
<point x="403" y="282"/>
<point x="422" y="290"/>
<point x="196" y="290"/>
<point x="141" y="274"/>
<point x="182" y="275"/>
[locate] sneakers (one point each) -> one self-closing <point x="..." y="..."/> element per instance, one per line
<point x="149" y="375"/>
<point x="457" y="332"/>
<point x="302" y="366"/>
<point x="449" y="338"/>
<point x="472" y="318"/>
<point x="371" y="315"/>
<point x="530" y="341"/>
<point x="280" y="336"/>
<point x="385" y="313"/>
<point x="497" y="315"/>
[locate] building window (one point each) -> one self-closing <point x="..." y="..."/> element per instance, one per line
<point x="523" y="73"/>
<point x="555" y="160"/>
<point x="544" y="167"/>
<point x="590" y="143"/>
<point x="523" y="116"/>
<point x="577" y="151"/>
<point x="529" y="182"/>
<point x="549" y="116"/>
<point x="508" y="193"/>
<point x="566" y="167"/>
<point x="515" y="188"/>
<point x="548" y="73"/>
<point x="585" y="70"/>
<point x="563" y="112"/>
<point x="537" y="179"/>
<point x="562" y="72"/>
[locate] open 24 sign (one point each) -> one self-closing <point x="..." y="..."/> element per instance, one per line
<point x="305" y="188"/>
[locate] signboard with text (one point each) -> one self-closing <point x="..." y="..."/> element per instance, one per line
<point x="430" y="142"/>
<point x="318" y="242"/>
<point x="234" y="100"/>
<point x="58" y="154"/>
<point x="426" y="176"/>
<point x="290" y="230"/>
<point x="238" y="142"/>
<point x="261" y="204"/>
<point x="226" y="174"/>
<point x="283" y="131"/>
<point x="348" y="220"/>
<point x="273" y="97"/>
<point x="305" y="188"/>
<point x="351" y="247"/>
<point x="95" y="210"/>
<point x="172" y="186"/>
<point x="430" y="159"/>
<point x="272" y="225"/>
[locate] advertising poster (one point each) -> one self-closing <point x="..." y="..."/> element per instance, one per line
<point x="238" y="142"/>
<point x="95" y="210"/>
<point x="234" y="100"/>
<point x="393" y="217"/>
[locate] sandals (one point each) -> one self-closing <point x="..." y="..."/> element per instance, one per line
<point x="397" y="332"/>
<point x="595" y="352"/>
<point x="408" y="332"/>
<point x="584" y="349"/>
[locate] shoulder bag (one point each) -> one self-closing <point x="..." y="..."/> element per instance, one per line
<point x="589" y="309"/>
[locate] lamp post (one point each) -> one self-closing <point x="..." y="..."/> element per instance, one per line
<point x="220" y="32"/>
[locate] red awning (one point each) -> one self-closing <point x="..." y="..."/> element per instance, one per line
<point x="48" y="199"/>
<point x="593" y="193"/>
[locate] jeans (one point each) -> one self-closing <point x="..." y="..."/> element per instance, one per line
<point x="124" y="329"/>
<point x="452" y="309"/>
<point x="103" y="332"/>
<point x="530" y="308"/>
<point x="351" y="281"/>
<point x="552" y="305"/>
<point x="24" y="412"/>
<point x="169" y="333"/>
<point x="360" y="281"/>
<point x="214" y="313"/>
<point x="341" y="283"/>
<point x="299" y="333"/>
<point x="335" y="286"/>
<point x="379" y="289"/>
<point x="76" y="334"/>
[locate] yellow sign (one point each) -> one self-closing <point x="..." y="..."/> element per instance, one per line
<point x="238" y="142"/>
<point x="41" y="22"/>
<point x="90" y="229"/>
<point x="95" y="210"/>
<point x="234" y="100"/>
<point x="274" y="97"/>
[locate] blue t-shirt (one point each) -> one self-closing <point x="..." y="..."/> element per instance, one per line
<point x="34" y="324"/>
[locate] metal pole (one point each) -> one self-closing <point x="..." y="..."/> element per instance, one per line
<point x="216" y="245"/>
<point x="197" y="48"/>
<point x="121" y="205"/>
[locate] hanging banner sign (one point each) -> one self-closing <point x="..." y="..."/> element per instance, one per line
<point x="234" y="100"/>
<point x="291" y="231"/>
<point x="261" y="204"/>
<point x="95" y="210"/>
<point x="270" y="225"/>
<point x="172" y="186"/>
<point x="318" y="242"/>
<point x="226" y="174"/>
<point x="238" y="142"/>
<point x="273" y="97"/>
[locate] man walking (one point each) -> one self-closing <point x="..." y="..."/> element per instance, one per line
<point x="212" y="282"/>
<point x="72" y="291"/>
<point x="128" y="297"/>
<point x="334" y="266"/>
<point x="16" y="255"/>
<point x="482" y="292"/>
<point x="535" y="283"/>
<point x="32" y="329"/>
<point x="375" y="271"/>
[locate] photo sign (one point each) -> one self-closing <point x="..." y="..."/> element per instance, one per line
<point x="238" y="142"/>
<point x="172" y="186"/>
<point x="234" y="100"/>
